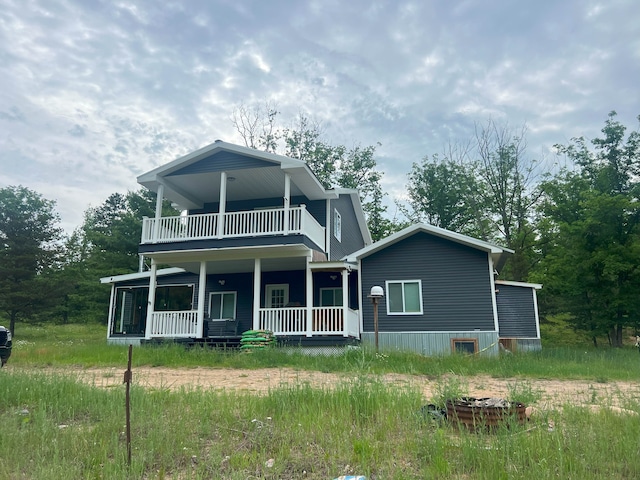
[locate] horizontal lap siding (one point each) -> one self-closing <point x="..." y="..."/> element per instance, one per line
<point x="456" y="285"/>
<point x="223" y="161"/>
<point x="242" y="284"/>
<point x="351" y="238"/>
<point x="516" y="312"/>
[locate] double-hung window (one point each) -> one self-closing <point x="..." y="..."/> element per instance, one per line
<point x="404" y="297"/>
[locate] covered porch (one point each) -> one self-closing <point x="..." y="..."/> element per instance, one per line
<point x="290" y="296"/>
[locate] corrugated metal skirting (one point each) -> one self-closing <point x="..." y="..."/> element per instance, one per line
<point x="431" y="343"/>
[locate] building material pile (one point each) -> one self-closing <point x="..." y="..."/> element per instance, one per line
<point x="257" y="339"/>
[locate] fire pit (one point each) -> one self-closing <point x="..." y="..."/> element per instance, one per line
<point x="484" y="413"/>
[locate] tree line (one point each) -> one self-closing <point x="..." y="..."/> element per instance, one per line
<point x="575" y="229"/>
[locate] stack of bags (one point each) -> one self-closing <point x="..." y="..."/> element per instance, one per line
<point x="257" y="339"/>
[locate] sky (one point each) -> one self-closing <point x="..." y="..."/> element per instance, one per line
<point x="95" y="93"/>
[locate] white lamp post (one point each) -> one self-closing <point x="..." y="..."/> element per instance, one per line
<point x="375" y="295"/>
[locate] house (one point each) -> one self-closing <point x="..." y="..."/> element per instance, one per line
<point x="261" y="244"/>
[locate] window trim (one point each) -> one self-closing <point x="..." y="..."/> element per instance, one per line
<point x="235" y="303"/>
<point x="334" y="290"/>
<point x="337" y="225"/>
<point x="403" y="282"/>
<point x="465" y="340"/>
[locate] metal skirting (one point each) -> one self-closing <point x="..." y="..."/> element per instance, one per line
<point x="431" y="343"/>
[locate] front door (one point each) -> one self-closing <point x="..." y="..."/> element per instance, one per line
<point x="276" y="295"/>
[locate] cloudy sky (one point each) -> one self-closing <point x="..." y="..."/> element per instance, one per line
<point x="94" y="93"/>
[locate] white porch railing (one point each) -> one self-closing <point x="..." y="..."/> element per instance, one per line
<point x="292" y="321"/>
<point x="175" y="324"/>
<point x="284" y="321"/>
<point x="235" y="224"/>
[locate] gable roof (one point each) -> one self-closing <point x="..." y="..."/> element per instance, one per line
<point x="189" y="180"/>
<point x="357" y="207"/>
<point x="499" y="254"/>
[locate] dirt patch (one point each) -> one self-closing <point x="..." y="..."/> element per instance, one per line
<point x="552" y="393"/>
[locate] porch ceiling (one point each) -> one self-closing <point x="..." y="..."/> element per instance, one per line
<point x="246" y="265"/>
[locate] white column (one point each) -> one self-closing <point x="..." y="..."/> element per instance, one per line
<point x="287" y="201"/>
<point x="222" y="206"/>
<point x="156" y="223"/>
<point x="257" y="273"/>
<point x="345" y="301"/>
<point x="327" y="231"/>
<point x="152" y="298"/>
<point x="112" y="311"/>
<point x="201" y="300"/>
<point x="309" y="292"/>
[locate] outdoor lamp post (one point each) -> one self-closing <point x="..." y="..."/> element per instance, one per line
<point x="375" y="295"/>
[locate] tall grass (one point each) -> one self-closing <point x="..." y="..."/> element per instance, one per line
<point x="55" y="428"/>
<point x="85" y="345"/>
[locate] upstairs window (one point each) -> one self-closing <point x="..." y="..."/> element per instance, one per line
<point x="337" y="225"/>
<point x="404" y="297"/>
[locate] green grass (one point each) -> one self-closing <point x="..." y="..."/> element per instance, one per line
<point x="55" y="428"/>
<point x="85" y="345"/>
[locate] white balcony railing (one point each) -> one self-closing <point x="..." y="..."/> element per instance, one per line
<point x="175" y="324"/>
<point x="293" y="321"/>
<point x="250" y="223"/>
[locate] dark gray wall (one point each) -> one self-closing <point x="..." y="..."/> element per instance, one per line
<point x="223" y="161"/>
<point x="456" y="285"/>
<point x="351" y="236"/>
<point x="516" y="312"/>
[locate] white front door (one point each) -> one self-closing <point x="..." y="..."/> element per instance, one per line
<point x="276" y="295"/>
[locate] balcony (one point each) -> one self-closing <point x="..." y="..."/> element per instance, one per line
<point x="253" y="223"/>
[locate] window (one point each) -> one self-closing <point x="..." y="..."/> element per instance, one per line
<point x="276" y="295"/>
<point x="331" y="297"/>
<point x="337" y="225"/>
<point x="467" y="346"/>
<point x="174" y="298"/>
<point x="404" y="297"/>
<point x="222" y="305"/>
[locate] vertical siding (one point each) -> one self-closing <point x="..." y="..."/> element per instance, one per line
<point x="351" y="236"/>
<point x="516" y="312"/>
<point x="456" y="285"/>
<point x="432" y="343"/>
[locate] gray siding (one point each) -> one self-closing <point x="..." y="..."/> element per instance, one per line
<point x="223" y="161"/>
<point x="351" y="236"/>
<point x="456" y="285"/>
<point x="431" y="343"/>
<point x="516" y="312"/>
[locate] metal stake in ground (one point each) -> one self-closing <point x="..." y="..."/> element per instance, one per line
<point x="127" y="382"/>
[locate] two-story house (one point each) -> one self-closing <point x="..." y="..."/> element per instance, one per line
<point x="261" y="244"/>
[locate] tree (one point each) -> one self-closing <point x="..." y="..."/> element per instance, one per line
<point x="593" y="211"/>
<point x="30" y="238"/>
<point x="445" y="193"/>
<point x="333" y="165"/>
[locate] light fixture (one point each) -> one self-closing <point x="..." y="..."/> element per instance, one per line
<point x="221" y="282"/>
<point x="231" y="179"/>
<point x="333" y="277"/>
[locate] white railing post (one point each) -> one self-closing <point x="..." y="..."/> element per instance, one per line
<point x="345" y="301"/>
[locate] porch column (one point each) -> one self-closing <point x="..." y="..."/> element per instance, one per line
<point x="112" y="310"/>
<point x="222" y="206"/>
<point x="156" y="223"/>
<point x="309" y="291"/>
<point x="287" y="201"/>
<point x="257" y="273"/>
<point x="152" y="298"/>
<point x="345" y="302"/>
<point x="201" y="300"/>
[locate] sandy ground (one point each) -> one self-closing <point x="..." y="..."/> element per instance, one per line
<point x="552" y="393"/>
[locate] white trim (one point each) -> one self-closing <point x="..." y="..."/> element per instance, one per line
<point x="535" y="309"/>
<point x="337" y="225"/>
<point x="226" y="292"/>
<point x="327" y="230"/>
<point x="437" y="231"/>
<point x="357" y="207"/>
<point x="141" y="275"/>
<point x="112" y="310"/>
<point x="403" y="282"/>
<point x="151" y="299"/>
<point x="536" y="286"/>
<point x="202" y="283"/>
<point x="257" y="275"/>
<point x="360" y="293"/>
<point x="494" y="302"/>
<point x="308" y="285"/>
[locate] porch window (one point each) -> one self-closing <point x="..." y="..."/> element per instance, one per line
<point x="337" y="225"/>
<point x="174" y="298"/>
<point x="276" y="295"/>
<point x="404" y="297"/>
<point x="331" y="297"/>
<point x="222" y="305"/>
